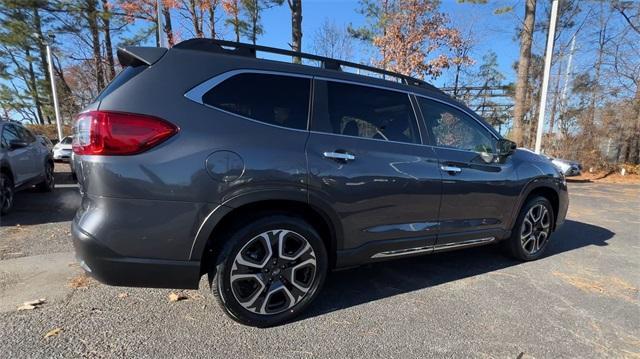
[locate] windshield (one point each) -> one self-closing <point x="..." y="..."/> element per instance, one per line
<point x="67" y="140"/>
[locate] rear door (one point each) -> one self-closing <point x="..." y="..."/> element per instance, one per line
<point x="19" y="158"/>
<point x="478" y="191"/>
<point x="366" y="159"/>
<point x="36" y="161"/>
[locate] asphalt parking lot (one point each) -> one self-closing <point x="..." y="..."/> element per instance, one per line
<point x="581" y="300"/>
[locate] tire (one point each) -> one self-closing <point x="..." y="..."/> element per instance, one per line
<point x="6" y="193"/>
<point x="532" y="230"/>
<point x="48" y="183"/>
<point x="265" y="293"/>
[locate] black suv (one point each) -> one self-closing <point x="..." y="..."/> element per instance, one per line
<point x="263" y="174"/>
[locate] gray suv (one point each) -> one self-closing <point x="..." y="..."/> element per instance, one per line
<point x="25" y="161"/>
<point x="265" y="175"/>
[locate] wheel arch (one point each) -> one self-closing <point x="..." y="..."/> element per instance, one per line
<point x="540" y="187"/>
<point x="225" y="217"/>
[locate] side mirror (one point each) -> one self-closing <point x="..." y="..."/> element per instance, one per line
<point x="13" y="144"/>
<point x="505" y="147"/>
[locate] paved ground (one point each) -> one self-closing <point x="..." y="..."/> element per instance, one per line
<point x="582" y="300"/>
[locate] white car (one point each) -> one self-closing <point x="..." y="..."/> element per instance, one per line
<point x="62" y="150"/>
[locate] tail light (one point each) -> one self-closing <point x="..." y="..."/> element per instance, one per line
<point x="118" y="134"/>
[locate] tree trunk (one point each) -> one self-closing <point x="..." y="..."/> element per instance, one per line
<point x="106" y="22"/>
<point x="296" y="28"/>
<point x="92" y="18"/>
<point x="254" y="22"/>
<point x="212" y="17"/>
<point x="522" y="84"/>
<point x="34" y="87"/>
<point x="42" y="49"/>
<point x="168" y="28"/>
<point x="194" y="9"/>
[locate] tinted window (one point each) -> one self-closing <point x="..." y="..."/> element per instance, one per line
<point x="274" y="99"/>
<point x="26" y="135"/>
<point x="453" y="128"/>
<point x="10" y="133"/>
<point x="364" y="111"/>
<point x="67" y="140"/>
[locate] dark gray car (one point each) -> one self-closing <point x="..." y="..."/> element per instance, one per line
<point x="265" y="175"/>
<point x="25" y="160"/>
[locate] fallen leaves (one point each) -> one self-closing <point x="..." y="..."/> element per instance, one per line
<point x="176" y="297"/>
<point x="53" y="333"/>
<point x="32" y="304"/>
<point x="81" y="281"/>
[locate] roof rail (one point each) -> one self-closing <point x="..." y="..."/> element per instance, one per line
<point x="249" y="50"/>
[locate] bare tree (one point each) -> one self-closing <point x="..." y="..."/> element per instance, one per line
<point x="332" y="41"/>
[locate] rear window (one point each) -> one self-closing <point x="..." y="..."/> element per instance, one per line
<point x="273" y="99"/>
<point x="125" y="75"/>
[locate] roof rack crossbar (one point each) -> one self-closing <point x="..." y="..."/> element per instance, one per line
<point x="250" y="50"/>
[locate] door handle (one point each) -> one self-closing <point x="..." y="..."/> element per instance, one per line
<point x="451" y="169"/>
<point x="339" y="156"/>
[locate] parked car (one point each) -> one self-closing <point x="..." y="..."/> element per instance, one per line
<point x="62" y="150"/>
<point x="24" y="161"/>
<point x="265" y="175"/>
<point x="567" y="167"/>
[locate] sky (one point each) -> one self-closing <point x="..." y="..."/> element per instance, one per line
<point x="491" y="32"/>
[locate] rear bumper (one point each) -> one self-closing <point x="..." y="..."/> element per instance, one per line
<point x="111" y="268"/>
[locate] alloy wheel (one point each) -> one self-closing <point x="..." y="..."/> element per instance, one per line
<point x="535" y="230"/>
<point x="49" y="178"/>
<point x="273" y="272"/>
<point x="6" y="194"/>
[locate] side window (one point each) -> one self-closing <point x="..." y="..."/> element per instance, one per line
<point x="27" y="136"/>
<point x="453" y="128"/>
<point x="363" y="111"/>
<point x="274" y="99"/>
<point x="9" y="133"/>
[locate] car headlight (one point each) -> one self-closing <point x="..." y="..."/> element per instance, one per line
<point x="563" y="166"/>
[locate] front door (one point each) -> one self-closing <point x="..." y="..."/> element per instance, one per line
<point x="478" y="189"/>
<point x="366" y="159"/>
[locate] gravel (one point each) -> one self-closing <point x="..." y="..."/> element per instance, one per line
<point x="581" y="300"/>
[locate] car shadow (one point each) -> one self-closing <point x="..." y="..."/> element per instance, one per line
<point x="33" y="207"/>
<point x="352" y="287"/>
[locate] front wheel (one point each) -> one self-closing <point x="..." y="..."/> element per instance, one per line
<point x="6" y="193"/>
<point x="531" y="233"/>
<point x="48" y="183"/>
<point x="269" y="270"/>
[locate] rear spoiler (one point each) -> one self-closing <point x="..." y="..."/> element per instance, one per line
<point x="137" y="55"/>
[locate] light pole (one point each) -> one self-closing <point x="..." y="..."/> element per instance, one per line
<point x="54" y="93"/>
<point x="545" y="78"/>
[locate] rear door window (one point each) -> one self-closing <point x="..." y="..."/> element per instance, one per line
<point x="363" y="111"/>
<point x="274" y="99"/>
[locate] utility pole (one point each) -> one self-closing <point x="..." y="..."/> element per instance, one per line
<point x="545" y="78"/>
<point x="563" y="98"/>
<point x="54" y="93"/>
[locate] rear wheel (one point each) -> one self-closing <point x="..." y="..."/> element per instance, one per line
<point x="531" y="233"/>
<point x="48" y="183"/>
<point x="6" y="193"/>
<point x="269" y="270"/>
